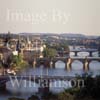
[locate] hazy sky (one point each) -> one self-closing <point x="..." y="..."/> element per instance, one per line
<point x="54" y="16"/>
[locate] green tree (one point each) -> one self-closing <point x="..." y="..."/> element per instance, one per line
<point x="17" y="62"/>
<point x="49" y="52"/>
<point x="63" y="46"/>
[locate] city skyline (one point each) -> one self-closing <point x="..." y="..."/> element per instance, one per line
<point x="52" y="16"/>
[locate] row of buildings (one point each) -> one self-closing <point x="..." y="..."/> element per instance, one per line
<point x="35" y="43"/>
<point x="23" y="43"/>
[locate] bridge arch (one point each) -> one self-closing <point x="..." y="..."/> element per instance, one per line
<point x="77" y="65"/>
<point x="44" y="63"/>
<point x="94" y="65"/>
<point x="72" y="54"/>
<point x="95" y="54"/>
<point x="83" y="54"/>
<point x="59" y="64"/>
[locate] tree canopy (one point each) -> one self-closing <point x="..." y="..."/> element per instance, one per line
<point x="49" y="52"/>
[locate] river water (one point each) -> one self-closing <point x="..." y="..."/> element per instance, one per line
<point x="26" y="91"/>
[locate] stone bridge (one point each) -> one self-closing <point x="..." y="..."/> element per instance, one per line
<point x="50" y="63"/>
<point x="90" y="51"/>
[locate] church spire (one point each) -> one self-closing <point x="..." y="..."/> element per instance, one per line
<point x="18" y="46"/>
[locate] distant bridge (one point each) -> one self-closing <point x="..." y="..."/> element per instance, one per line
<point x="90" y="51"/>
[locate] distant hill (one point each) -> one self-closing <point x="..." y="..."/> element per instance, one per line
<point x="71" y="35"/>
<point x="64" y="35"/>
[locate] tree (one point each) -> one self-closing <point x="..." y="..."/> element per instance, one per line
<point x="63" y="46"/>
<point x="49" y="52"/>
<point x="17" y="62"/>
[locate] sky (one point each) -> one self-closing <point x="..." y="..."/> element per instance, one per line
<point x="50" y="16"/>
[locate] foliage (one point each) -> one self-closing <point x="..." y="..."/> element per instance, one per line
<point x="49" y="52"/>
<point x="59" y="47"/>
<point x="91" y="89"/>
<point x="89" y="92"/>
<point x="17" y="62"/>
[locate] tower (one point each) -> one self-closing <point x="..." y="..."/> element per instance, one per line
<point x="28" y="43"/>
<point x="18" y="47"/>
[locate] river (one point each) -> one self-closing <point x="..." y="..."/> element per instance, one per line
<point x="25" y="92"/>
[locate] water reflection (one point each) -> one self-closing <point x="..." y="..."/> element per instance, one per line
<point x="58" y="86"/>
<point x="24" y="87"/>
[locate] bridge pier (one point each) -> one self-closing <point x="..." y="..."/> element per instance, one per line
<point x="34" y="64"/>
<point x="47" y="64"/>
<point x="76" y="53"/>
<point x="51" y="64"/>
<point x="90" y="53"/>
<point x="69" y="63"/>
<point x="86" y="65"/>
<point x="68" y="66"/>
